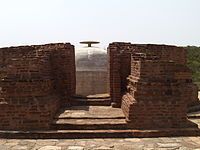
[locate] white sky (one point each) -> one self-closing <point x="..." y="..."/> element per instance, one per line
<point x="26" y="22"/>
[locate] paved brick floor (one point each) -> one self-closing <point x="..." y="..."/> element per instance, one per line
<point x="180" y="143"/>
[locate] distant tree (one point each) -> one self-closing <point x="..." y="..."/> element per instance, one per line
<point x="193" y="62"/>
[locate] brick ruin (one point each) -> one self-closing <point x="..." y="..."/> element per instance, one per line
<point x="151" y="83"/>
<point x="35" y="82"/>
<point x="159" y="87"/>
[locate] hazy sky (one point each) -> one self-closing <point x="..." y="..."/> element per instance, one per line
<point x="24" y="22"/>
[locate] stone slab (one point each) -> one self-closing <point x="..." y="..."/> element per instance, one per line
<point x="91" y="121"/>
<point x="91" y="112"/>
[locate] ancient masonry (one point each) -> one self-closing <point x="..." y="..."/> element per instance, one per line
<point x="35" y="81"/>
<point x="159" y="84"/>
<point x="150" y="83"/>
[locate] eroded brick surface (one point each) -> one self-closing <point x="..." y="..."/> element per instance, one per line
<point x="34" y="82"/>
<point x="151" y="83"/>
<point x="159" y="85"/>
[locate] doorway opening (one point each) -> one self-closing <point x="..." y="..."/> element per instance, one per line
<point x="92" y="74"/>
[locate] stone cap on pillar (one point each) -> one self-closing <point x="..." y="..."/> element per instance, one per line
<point x="89" y="43"/>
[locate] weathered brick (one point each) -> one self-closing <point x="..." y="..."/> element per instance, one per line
<point x="32" y="87"/>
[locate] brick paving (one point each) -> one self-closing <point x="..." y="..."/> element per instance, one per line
<point x="179" y="143"/>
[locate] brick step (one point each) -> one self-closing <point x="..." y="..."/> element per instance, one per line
<point x="94" y="96"/>
<point x="91" y="102"/>
<point x="77" y="134"/>
<point x="90" y="112"/>
<point x="194" y="115"/>
<point x="89" y="117"/>
<point x="89" y="124"/>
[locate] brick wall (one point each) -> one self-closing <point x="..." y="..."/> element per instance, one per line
<point x="159" y="85"/>
<point x="119" y="64"/>
<point x="34" y="82"/>
<point x="150" y="82"/>
<point x="158" y="97"/>
<point x="163" y="52"/>
<point x="63" y="66"/>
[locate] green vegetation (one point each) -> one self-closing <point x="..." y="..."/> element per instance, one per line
<point x="193" y="56"/>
